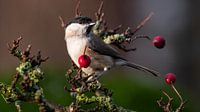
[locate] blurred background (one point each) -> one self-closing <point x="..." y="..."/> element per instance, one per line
<point x="176" y="20"/>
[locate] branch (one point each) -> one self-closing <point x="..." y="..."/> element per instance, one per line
<point x="13" y="48"/>
<point x="143" y="23"/>
<point x="167" y="107"/>
<point x="15" y="80"/>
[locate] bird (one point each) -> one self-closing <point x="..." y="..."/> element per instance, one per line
<point x="78" y="35"/>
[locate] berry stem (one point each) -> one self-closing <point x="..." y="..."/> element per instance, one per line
<point x="85" y="49"/>
<point x="175" y="90"/>
<point x="163" y="91"/>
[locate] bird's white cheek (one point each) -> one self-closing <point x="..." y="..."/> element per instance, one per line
<point x="69" y="33"/>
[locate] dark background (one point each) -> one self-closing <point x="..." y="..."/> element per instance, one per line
<point x="176" y="20"/>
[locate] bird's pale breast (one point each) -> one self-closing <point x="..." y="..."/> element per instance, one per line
<point x="76" y="48"/>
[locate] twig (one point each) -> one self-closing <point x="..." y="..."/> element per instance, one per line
<point x="62" y="22"/>
<point x="40" y="59"/>
<point x="13" y="48"/>
<point x="77" y="9"/>
<point x="177" y="93"/>
<point x="166" y="106"/>
<point x="143" y="23"/>
<point x="104" y="26"/>
<point x="18" y="106"/>
<point x="141" y="36"/>
<point x="114" y="31"/>
<point x="181" y="106"/>
<point x="99" y="14"/>
<point x="15" y="45"/>
<point x="129" y="32"/>
<point x="123" y="47"/>
<point x="46" y="106"/>
<point x="14" y="82"/>
<point x="26" y="53"/>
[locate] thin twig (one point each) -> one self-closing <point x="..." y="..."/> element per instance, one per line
<point x="13" y="48"/>
<point x="14" y="82"/>
<point x="141" y="36"/>
<point x="26" y="53"/>
<point x="114" y="31"/>
<point x="77" y="9"/>
<point x="143" y="23"/>
<point x="123" y="47"/>
<point x="100" y="7"/>
<point x="18" y="106"/>
<point x="99" y="14"/>
<point x="178" y="94"/>
<point x="166" y="94"/>
<point x="40" y="59"/>
<point x="181" y="106"/>
<point x="15" y="45"/>
<point x="165" y="106"/>
<point x="62" y="22"/>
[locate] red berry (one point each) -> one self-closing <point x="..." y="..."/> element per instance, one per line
<point x="170" y="78"/>
<point x="84" y="61"/>
<point x="159" y="42"/>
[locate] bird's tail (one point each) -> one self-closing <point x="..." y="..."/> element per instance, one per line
<point x="142" y="68"/>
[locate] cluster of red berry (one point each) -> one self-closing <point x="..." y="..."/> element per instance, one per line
<point x="159" y="42"/>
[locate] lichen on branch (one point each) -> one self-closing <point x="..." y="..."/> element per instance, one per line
<point x="25" y="86"/>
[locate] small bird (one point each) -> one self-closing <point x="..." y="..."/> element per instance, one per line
<point x="78" y="35"/>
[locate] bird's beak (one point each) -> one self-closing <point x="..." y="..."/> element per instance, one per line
<point x="89" y="28"/>
<point x="91" y="24"/>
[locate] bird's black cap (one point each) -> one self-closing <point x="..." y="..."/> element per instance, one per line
<point x="80" y="20"/>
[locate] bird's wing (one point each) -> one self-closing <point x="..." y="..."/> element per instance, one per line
<point x="97" y="45"/>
